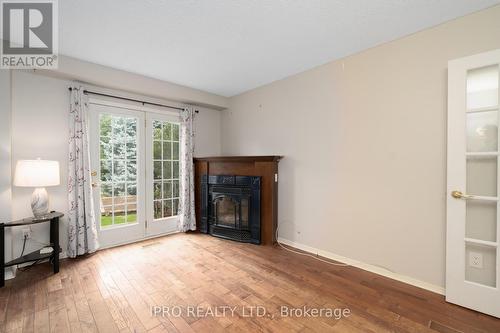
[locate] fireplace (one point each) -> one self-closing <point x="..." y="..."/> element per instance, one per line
<point x="230" y="207"/>
<point x="261" y="182"/>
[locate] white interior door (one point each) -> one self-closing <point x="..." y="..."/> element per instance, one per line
<point x="117" y="159"/>
<point x="162" y="181"/>
<point x="473" y="232"/>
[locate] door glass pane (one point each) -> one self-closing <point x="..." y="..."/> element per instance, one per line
<point x="165" y="169"/>
<point x="105" y="148"/>
<point x="119" y="214"/>
<point x="167" y="150"/>
<point x="131" y="171"/>
<point x="119" y="172"/>
<point x="481" y="221"/>
<point x="176" y="207"/>
<point x="167" y="208"/>
<point x="175" y="170"/>
<point x="131" y="192"/>
<point x="480" y="264"/>
<point x="157" y="150"/>
<point x="118" y="169"/>
<point x="157" y="190"/>
<point x="106" y="170"/>
<point x="118" y="193"/>
<point x="175" y="132"/>
<point x="167" y="189"/>
<point x="482" y="176"/>
<point x="106" y="216"/>
<point x="131" y="212"/>
<point x="482" y="131"/>
<point x="175" y="187"/>
<point x="157" y="130"/>
<point x="157" y="207"/>
<point x="175" y="151"/>
<point x="157" y="170"/>
<point x="482" y="87"/>
<point x="131" y="150"/>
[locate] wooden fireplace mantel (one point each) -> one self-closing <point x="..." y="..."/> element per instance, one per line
<point x="264" y="166"/>
<point x="271" y="158"/>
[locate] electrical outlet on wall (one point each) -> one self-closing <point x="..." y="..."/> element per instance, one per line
<point x="475" y="260"/>
<point x="287" y="227"/>
<point x="26" y="233"/>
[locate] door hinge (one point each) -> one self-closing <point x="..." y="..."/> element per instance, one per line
<point x="146" y="223"/>
<point x="275" y="177"/>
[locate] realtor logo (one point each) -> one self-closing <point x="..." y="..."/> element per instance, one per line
<point x="29" y="34"/>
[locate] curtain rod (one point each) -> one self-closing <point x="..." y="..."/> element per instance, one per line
<point x="131" y="100"/>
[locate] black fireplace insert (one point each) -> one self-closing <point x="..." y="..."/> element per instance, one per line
<point x="230" y="207"/>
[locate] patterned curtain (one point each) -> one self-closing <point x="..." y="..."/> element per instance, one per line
<point x="187" y="220"/>
<point x="82" y="231"/>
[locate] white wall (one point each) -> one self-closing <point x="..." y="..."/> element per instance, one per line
<point x="5" y="162"/>
<point x="40" y="129"/>
<point x="364" y="140"/>
<point x="207" y="127"/>
<point x="74" y="69"/>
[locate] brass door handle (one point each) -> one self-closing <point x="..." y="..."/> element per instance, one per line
<point x="94" y="174"/>
<point x="460" y="195"/>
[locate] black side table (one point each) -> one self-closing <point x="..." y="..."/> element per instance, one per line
<point x="53" y="218"/>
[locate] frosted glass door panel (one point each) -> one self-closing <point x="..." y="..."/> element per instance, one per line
<point x="481" y="220"/>
<point x="482" y="87"/>
<point x="482" y="176"/>
<point x="482" y="131"/>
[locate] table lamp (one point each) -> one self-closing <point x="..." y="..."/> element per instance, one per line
<point x="38" y="174"/>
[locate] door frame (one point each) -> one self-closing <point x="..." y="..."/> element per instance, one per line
<point x="458" y="290"/>
<point x="131" y="109"/>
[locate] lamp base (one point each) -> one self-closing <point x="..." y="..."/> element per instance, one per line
<point x="40" y="202"/>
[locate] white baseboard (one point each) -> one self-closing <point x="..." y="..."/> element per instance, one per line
<point x="367" y="267"/>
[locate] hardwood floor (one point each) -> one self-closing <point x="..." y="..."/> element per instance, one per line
<point x="116" y="290"/>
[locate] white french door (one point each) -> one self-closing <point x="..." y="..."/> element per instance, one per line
<point x="118" y="170"/>
<point x="162" y="149"/>
<point x="473" y="211"/>
<point x="135" y="170"/>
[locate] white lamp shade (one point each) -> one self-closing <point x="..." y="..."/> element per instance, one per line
<point x="37" y="173"/>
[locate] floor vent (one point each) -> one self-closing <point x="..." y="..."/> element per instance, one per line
<point x="442" y="328"/>
<point x="150" y="244"/>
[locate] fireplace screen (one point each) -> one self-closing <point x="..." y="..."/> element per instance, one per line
<point x="226" y="212"/>
<point x="231" y="207"/>
<point x="231" y="213"/>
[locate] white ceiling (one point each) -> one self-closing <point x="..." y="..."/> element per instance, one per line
<point x="231" y="46"/>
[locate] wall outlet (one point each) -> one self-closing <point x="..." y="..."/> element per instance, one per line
<point x="26" y="233"/>
<point x="475" y="260"/>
